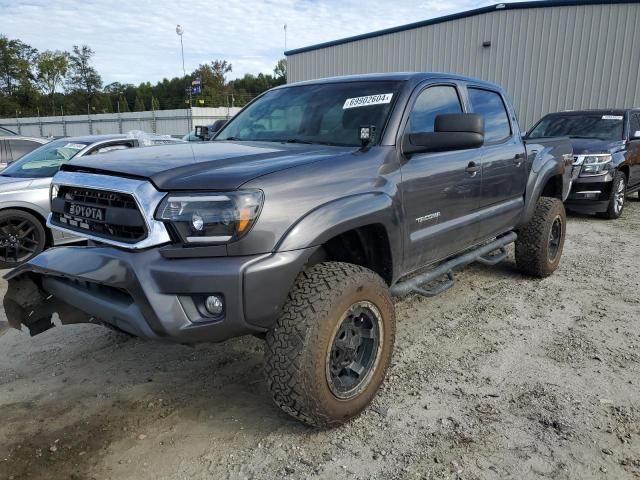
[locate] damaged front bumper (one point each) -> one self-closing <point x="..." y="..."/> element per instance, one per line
<point x="150" y="296"/>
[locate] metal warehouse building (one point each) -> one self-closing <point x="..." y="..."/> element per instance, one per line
<point x="549" y="56"/>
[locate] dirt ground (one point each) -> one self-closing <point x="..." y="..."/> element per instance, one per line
<point x="500" y="377"/>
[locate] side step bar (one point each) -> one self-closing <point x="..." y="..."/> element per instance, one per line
<point x="489" y="254"/>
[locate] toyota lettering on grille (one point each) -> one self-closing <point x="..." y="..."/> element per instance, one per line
<point x="83" y="211"/>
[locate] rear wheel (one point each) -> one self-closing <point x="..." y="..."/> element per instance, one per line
<point x="617" y="198"/>
<point x="540" y="242"/>
<point x="22" y="237"/>
<point x="329" y="351"/>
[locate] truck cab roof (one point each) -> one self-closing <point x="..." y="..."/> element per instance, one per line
<point x="412" y="77"/>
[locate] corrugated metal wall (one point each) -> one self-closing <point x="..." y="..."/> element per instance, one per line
<point x="548" y="59"/>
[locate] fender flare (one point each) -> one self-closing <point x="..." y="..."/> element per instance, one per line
<point x="343" y="214"/>
<point x="545" y="167"/>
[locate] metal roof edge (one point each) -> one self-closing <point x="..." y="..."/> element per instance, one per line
<point x="456" y="16"/>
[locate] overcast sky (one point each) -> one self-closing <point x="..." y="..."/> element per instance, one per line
<point x="135" y="40"/>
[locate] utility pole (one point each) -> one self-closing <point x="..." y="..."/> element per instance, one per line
<point x="180" y="32"/>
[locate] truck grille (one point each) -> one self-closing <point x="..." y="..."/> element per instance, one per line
<point x="105" y="214"/>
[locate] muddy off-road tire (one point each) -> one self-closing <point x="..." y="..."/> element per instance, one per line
<point x="329" y="351"/>
<point x="617" y="198"/>
<point x="540" y="242"/>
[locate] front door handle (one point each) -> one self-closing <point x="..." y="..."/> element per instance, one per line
<point x="472" y="169"/>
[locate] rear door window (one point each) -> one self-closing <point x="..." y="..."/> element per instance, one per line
<point x="489" y="104"/>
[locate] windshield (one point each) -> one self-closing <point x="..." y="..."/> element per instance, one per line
<point x="44" y="161"/>
<point x="599" y="126"/>
<point x="330" y="113"/>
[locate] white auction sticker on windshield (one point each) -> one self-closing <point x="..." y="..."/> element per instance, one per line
<point x="368" y="100"/>
<point x="612" y="117"/>
<point x="75" y="146"/>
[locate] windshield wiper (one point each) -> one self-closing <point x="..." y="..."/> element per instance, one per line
<point x="290" y="140"/>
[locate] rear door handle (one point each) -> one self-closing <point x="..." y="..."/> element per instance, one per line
<point x="472" y="169"/>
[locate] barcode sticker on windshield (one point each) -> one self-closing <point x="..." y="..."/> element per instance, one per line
<point x="612" y="117"/>
<point x="368" y="100"/>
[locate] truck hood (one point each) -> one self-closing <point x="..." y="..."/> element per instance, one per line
<point x="201" y="166"/>
<point x="583" y="146"/>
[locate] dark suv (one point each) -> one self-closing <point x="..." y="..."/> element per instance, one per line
<point x="606" y="147"/>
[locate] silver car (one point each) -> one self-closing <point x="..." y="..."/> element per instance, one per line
<point x="24" y="191"/>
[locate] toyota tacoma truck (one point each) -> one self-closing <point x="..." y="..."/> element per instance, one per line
<point x="302" y="218"/>
<point x="606" y="148"/>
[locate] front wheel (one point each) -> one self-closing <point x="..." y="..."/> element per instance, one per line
<point x="617" y="198"/>
<point x="541" y="241"/>
<point x="22" y="237"/>
<point x="329" y="351"/>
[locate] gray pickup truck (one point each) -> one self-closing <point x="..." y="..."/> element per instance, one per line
<point x="298" y="223"/>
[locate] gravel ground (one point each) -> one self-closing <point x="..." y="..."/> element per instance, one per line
<point x="500" y="377"/>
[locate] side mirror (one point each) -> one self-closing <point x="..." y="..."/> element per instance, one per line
<point x="457" y="131"/>
<point x="202" y="132"/>
<point x="217" y="126"/>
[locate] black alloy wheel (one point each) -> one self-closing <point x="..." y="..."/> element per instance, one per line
<point x="22" y="237"/>
<point x="355" y="350"/>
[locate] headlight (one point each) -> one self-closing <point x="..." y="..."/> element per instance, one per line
<point x="594" y="165"/>
<point x="201" y="218"/>
<point x="53" y="192"/>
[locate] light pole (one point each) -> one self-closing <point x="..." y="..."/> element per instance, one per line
<point x="285" y="37"/>
<point x="180" y="32"/>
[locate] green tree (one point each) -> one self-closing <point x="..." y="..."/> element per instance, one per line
<point x="139" y="105"/>
<point x="117" y="88"/>
<point x="104" y="103"/>
<point x="16" y="61"/>
<point x="220" y="68"/>
<point x="123" y="104"/>
<point x="155" y="104"/>
<point x="280" y="70"/>
<point x="83" y="77"/>
<point x="51" y="69"/>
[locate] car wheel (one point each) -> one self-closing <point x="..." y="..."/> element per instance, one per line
<point x="22" y="237"/>
<point x="329" y="351"/>
<point x="541" y="241"/>
<point x="617" y="198"/>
